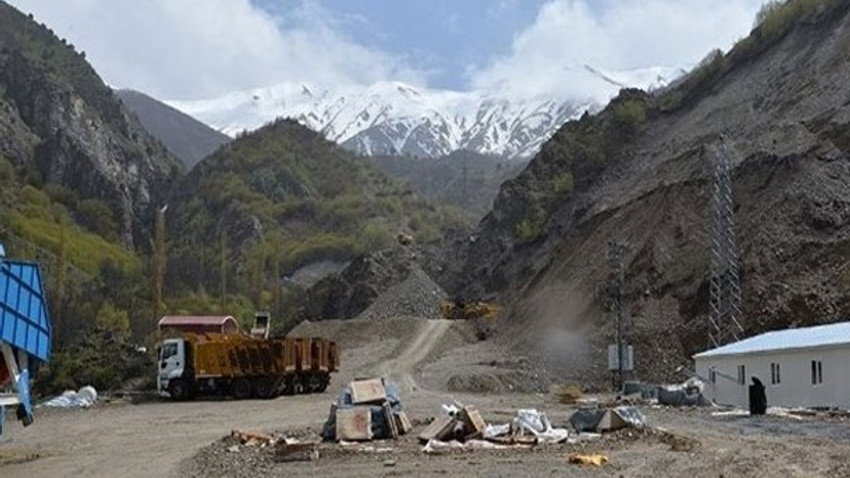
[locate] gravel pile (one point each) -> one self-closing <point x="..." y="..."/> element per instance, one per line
<point x="416" y="296"/>
<point x="385" y="284"/>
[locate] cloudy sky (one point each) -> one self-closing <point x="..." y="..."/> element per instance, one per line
<point x="192" y="49"/>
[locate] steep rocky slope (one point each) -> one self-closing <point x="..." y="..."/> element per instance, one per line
<point x="64" y="127"/>
<point x="638" y="172"/>
<point x="185" y="137"/>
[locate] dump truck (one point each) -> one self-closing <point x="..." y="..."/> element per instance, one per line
<point x="241" y="365"/>
<point x="460" y="310"/>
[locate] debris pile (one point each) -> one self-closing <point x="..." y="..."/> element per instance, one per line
<point x="84" y="398"/>
<point x="367" y="410"/>
<point x="601" y="420"/>
<point x="687" y="394"/>
<point x="569" y="393"/>
<point x="248" y="438"/>
<point x="462" y="427"/>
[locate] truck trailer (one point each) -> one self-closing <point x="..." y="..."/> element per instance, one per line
<point x="244" y="366"/>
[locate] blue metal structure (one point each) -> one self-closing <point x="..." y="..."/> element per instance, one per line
<point x="25" y="331"/>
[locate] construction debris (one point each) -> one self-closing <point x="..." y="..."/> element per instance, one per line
<point x="439" y="429"/>
<point x="596" y="459"/>
<point x="687" y="394"/>
<point x="366" y="410"/>
<point x="84" y="398"/>
<point x="248" y="438"/>
<point x="292" y="450"/>
<point x="569" y="394"/>
<point x="354" y="424"/>
<point x="606" y="419"/>
<point x="368" y="391"/>
<point x="461" y="425"/>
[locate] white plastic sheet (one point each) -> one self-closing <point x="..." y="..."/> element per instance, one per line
<point x="85" y="398"/>
<point x="537" y="424"/>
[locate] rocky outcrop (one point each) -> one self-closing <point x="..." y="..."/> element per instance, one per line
<point x="67" y="128"/>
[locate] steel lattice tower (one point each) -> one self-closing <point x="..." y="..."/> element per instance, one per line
<point x="617" y="306"/>
<point x="725" y="286"/>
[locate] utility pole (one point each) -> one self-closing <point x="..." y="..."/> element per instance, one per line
<point x="725" y="283"/>
<point x="160" y="257"/>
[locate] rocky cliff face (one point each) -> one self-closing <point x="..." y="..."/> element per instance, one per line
<point x="60" y="122"/>
<point x="639" y="172"/>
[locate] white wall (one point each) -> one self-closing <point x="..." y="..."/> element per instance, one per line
<point x="795" y="388"/>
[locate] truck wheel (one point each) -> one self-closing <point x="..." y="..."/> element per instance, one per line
<point x="298" y="385"/>
<point x="241" y="389"/>
<point x="324" y="384"/>
<point x="179" y="390"/>
<point x="264" y="388"/>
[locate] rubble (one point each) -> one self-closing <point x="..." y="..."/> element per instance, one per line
<point x="687" y="394"/>
<point x="607" y="419"/>
<point x="366" y="410"/>
<point x="464" y="424"/>
<point x="569" y="393"/>
<point x="289" y="450"/>
<point x="596" y="459"/>
<point x="252" y="438"/>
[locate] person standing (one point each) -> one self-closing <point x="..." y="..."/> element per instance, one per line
<point x="758" y="398"/>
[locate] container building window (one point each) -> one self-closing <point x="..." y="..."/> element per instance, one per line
<point x="817" y="372"/>
<point x="775" y="378"/>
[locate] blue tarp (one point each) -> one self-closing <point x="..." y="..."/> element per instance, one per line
<point x="24" y="320"/>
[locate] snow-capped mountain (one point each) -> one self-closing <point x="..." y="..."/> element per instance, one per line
<point x="396" y="118"/>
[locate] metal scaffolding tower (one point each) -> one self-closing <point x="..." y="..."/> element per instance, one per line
<point x="617" y="309"/>
<point x="725" y="286"/>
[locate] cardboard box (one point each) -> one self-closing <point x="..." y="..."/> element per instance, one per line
<point x="368" y="391"/>
<point x="354" y="424"/>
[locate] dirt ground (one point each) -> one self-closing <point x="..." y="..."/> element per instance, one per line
<point x="188" y="439"/>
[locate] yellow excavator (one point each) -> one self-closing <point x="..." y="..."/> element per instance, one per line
<point x="482" y="314"/>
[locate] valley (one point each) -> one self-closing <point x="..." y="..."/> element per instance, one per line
<point x="370" y="213"/>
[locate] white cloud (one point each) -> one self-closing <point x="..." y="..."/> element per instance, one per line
<point x="548" y="57"/>
<point x="185" y="49"/>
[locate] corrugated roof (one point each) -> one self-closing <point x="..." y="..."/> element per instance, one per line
<point x="804" y="337"/>
<point x="195" y="320"/>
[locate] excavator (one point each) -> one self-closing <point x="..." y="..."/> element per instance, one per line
<point x="480" y="313"/>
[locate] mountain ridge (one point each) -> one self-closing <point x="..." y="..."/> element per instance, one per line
<point x="185" y="137"/>
<point x="396" y="118"/>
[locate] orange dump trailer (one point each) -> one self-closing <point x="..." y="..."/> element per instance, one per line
<point x="244" y="366"/>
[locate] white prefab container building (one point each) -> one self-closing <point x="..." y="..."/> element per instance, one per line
<point x="805" y="367"/>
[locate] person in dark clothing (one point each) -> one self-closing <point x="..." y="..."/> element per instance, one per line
<point x="758" y="398"/>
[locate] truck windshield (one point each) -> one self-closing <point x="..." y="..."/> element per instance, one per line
<point x="168" y="350"/>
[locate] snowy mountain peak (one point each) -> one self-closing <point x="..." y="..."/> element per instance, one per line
<point x="391" y="117"/>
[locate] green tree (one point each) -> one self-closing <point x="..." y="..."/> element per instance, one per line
<point x="112" y="319"/>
